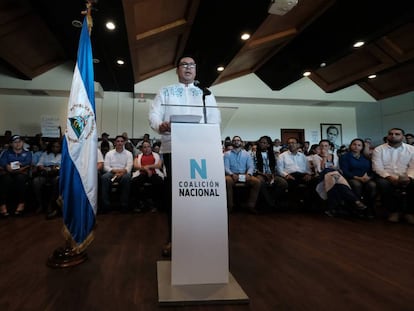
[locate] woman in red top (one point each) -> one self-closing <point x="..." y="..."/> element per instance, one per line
<point x="147" y="171"/>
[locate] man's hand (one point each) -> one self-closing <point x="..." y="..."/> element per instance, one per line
<point x="235" y="177"/>
<point x="365" y="178"/>
<point x="165" y="127"/>
<point x="404" y="180"/>
<point x="307" y="177"/>
<point x="289" y="177"/>
<point x="393" y="180"/>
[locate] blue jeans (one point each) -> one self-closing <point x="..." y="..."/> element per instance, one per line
<point x="124" y="186"/>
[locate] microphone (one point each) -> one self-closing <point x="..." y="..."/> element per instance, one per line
<point x="205" y="90"/>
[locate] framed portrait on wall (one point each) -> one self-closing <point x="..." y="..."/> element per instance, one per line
<point x="332" y="132"/>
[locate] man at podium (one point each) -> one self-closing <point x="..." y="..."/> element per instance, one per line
<point x="183" y="98"/>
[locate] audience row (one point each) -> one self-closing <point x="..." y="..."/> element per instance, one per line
<point x="352" y="178"/>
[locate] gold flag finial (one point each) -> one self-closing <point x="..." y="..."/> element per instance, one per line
<point x="87" y="12"/>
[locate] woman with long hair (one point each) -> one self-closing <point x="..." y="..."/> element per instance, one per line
<point x="332" y="186"/>
<point x="357" y="169"/>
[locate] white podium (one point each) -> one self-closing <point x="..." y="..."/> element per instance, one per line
<point x="199" y="268"/>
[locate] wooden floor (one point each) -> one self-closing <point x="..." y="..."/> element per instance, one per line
<point x="283" y="261"/>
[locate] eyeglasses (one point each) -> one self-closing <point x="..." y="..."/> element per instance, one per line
<point x="187" y="65"/>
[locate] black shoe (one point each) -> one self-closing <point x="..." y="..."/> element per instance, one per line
<point x="19" y="213"/>
<point x="137" y="210"/>
<point x="331" y="213"/>
<point x="52" y="215"/>
<point x="359" y="205"/>
<point x="4" y="215"/>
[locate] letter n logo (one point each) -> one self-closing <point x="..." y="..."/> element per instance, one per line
<point x="201" y="170"/>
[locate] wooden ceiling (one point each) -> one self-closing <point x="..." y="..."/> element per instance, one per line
<point x="36" y="35"/>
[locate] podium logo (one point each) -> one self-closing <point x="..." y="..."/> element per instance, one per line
<point x="200" y="168"/>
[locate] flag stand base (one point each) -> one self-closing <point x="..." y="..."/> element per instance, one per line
<point x="65" y="257"/>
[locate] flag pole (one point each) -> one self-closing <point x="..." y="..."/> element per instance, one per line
<point x="73" y="252"/>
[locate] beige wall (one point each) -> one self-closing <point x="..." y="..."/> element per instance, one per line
<point x="248" y="107"/>
<point x="119" y="112"/>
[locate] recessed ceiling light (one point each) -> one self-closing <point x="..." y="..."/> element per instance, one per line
<point x="76" y="23"/>
<point x="120" y="62"/>
<point x="306" y="73"/>
<point x="245" y="36"/>
<point x="110" y="25"/>
<point x="220" y="68"/>
<point x="322" y="65"/>
<point x="358" y="44"/>
<point x="372" y="76"/>
<point x="96" y="60"/>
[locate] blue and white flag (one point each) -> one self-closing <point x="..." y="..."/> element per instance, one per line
<point x="78" y="175"/>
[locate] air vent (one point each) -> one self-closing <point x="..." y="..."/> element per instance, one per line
<point x="321" y="104"/>
<point x="38" y="92"/>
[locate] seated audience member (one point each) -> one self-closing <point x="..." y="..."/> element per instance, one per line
<point x="100" y="162"/>
<point x="332" y="186"/>
<point x="409" y="138"/>
<point x="239" y="167"/>
<point x="3" y="208"/>
<point x="252" y="150"/>
<point x="313" y="150"/>
<point x="393" y="162"/>
<point x="226" y="144"/>
<point x="147" y="170"/>
<point x="156" y="148"/>
<point x="16" y="163"/>
<point x="47" y="174"/>
<point x="369" y="148"/>
<point x="7" y="135"/>
<point x="145" y="138"/>
<point x="277" y="146"/>
<point x="100" y="170"/>
<point x="117" y="168"/>
<point x="265" y="171"/>
<point x="357" y="170"/>
<point x="104" y="148"/>
<point x="130" y="146"/>
<point x="341" y="151"/>
<point x="127" y="140"/>
<point x="294" y="167"/>
<point x="36" y="154"/>
<point x="105" y="140"/>
<point x="3" y="148"/>
<point x="306" y="148"/>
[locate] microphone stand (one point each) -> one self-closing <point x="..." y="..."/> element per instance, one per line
<point x="206" y="92"/>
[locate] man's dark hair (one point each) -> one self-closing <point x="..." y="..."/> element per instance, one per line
<point x="183" y="56"/>
<point x="119" y="136"/>
<point x="397" y="129"/>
